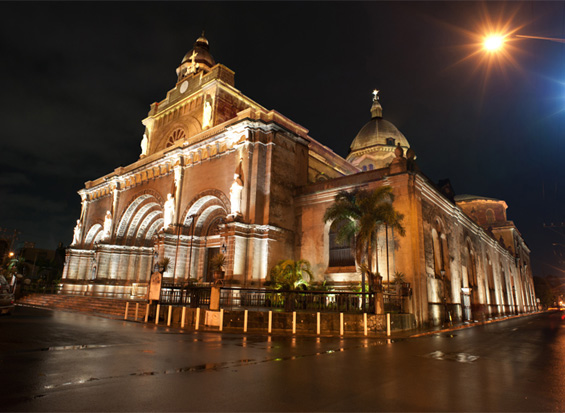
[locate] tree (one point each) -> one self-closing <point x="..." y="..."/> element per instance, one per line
<point x="361" y="214"/>
<point x="290" y="275"/>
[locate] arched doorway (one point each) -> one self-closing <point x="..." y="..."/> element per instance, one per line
<point x="204" y="228"/>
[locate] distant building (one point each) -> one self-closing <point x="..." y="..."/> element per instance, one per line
<point x="220" y="173"/>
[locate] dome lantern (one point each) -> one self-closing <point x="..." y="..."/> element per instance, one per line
<point x="375" y="144"/>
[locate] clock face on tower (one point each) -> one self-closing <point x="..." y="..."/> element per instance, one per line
<point x="183" y="86"/>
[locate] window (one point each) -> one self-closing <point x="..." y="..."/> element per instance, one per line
<point x="490" y="216"/>
<point x="341" y="254"/>
<point x="175" y="136"/>
<point x="364" y="168"/>
<point x="390" y="141"/>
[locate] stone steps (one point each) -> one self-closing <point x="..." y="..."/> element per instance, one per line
<point x="107" y="306"/>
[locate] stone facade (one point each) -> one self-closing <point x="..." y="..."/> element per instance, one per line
<point x="220" y="173"/>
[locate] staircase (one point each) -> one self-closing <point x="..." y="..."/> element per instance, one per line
<point x="109" y="307"/>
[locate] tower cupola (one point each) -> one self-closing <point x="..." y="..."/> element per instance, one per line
<point x="197" y="59"/>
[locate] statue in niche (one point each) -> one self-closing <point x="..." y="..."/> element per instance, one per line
<point x="76" y="235"/>
<point x="207" y="114"/>
<point x="235" y="191"/>
<point x="107" y="225"/>
<point x="144" y="145"/>
<point x="169" y="211"/>
<point x="177" y="172"/>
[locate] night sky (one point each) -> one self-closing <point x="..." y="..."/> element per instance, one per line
<point x="78" y="78"/>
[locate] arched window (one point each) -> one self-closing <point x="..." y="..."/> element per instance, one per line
<point x="390" y="141"/>
<point x="175" y="136"/>
<point x="364" y="168"/>
<point x="490" y="280"/>
<point x="341" y="254"/>
<point x="471" y="266"/>
<point x="438" y="253"/>
<point x="490" y="216"/>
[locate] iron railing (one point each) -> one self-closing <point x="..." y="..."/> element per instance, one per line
<point x="327" y="301"/>
<point x="236" y="298"/>
<point x="178" y="294"/>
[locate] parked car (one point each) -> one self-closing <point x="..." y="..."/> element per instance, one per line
<point x="6" y="297"/>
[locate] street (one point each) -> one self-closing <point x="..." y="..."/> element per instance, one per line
<point x="60" y="361"/>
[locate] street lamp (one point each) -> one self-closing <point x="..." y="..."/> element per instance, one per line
<point x="494" y="42"/>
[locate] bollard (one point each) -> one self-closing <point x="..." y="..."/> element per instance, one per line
<point x="169" y="317"/>
<point x="340" y="324"/>
<point x="136" y="310"/>
<point x="270" y="326"/>
<point x="157" y="314"/>
<point x="197" y="324"/>
<point x="318" y="323"/>
<point x="294" y="322"/>
<point x="183" y="317"/>
<point x="365" y="323"/>
<point x="127" y="309"/>
<point x="147" y="312"/>
<point x="388" y="324"/>
<point x="245" y="321"/>
<point x="221" y="319"/>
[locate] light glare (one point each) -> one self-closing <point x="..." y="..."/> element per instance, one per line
<point x="494" y="42"/>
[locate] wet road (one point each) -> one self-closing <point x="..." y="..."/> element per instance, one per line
<point x="57" y="361"/>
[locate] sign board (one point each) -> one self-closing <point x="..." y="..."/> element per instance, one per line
<point x="155" y="286"/>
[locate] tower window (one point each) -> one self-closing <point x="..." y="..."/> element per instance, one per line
<point x="175" y="136"/>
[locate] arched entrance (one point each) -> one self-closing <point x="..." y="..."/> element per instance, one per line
<point x="204" y="230"/>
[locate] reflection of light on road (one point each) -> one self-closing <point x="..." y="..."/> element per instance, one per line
<point x="459" y="357"/>
<point x="223" y="365"/>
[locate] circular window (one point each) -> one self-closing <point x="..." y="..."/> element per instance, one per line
<point x="175" y="136"/>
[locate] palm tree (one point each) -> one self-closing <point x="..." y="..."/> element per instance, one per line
<point x="360" y="214"/>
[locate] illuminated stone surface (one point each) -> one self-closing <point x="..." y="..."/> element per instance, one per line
<point x="272" y="207"/>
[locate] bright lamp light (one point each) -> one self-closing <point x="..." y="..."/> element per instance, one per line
<point x="494" y="42"/>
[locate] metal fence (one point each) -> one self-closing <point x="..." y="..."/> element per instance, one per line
<point x="177" y="294"/>
<point x="327" y="301"/>
<point x="323" y="301"/>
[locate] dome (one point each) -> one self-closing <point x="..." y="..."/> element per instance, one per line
<point x="374" y="145"/>
<point x="375" y="133"/>
<point x="201" y="52"/>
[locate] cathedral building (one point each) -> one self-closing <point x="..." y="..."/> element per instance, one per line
<point x="219" y="173"/>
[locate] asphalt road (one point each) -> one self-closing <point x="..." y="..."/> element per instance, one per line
<point x="58" y="361"/>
